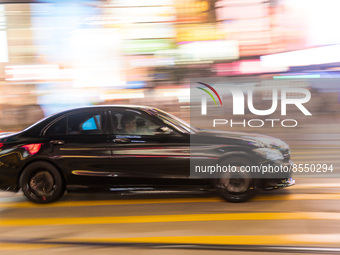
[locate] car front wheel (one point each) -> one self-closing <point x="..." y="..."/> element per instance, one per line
<point x="236" y="187"/>
<point x="42" y="183"/>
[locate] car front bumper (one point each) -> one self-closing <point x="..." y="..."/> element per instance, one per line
<point x="279" y="183"/>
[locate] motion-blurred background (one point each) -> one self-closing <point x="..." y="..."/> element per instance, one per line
<point x="58" y="54"/>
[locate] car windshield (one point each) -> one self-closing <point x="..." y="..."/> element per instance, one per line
<point x="181" y="124"/>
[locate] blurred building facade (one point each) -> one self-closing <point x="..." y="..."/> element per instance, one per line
<point x="57" y="54"/>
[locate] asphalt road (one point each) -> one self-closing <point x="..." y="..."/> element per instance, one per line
<point x="303" y="218"/>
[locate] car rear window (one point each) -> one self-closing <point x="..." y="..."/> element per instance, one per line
<point x="85" y="123"/>
<point x="78" y="124"/>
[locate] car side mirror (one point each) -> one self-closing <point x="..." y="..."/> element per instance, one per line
<point x="163" y="131"/>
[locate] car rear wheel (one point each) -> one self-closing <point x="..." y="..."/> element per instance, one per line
<point x="42" y="183"/>
<point x="236" y="186"/>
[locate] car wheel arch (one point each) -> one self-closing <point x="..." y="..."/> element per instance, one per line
<point x="62" y="174"/>
<point x="243" y="154"/>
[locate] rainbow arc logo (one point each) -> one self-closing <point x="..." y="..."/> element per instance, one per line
<point x="209" y="93"/>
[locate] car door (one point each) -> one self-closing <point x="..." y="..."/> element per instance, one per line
<point x="149" y="154"/>
<point x="79" y="143"/>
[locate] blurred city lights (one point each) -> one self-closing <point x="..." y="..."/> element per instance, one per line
<point x="59" y="54"/>
<point x="314" y="56"/>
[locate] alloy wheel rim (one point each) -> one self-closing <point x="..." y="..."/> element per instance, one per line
<point x="42" y="183"/>
<point x="236" y="183"/>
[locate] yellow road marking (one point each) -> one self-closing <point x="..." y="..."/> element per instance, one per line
<point x="285" y="239"/>
<point x="224" y="240"/>
<point x="26" y="246"/>
<point x="169" y="218"/>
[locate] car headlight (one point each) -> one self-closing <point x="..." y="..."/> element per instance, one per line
<point x="269" y="153"/>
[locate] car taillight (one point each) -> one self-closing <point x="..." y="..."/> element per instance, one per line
<point x="1" y="144"/>
<point x="32" y="148"/>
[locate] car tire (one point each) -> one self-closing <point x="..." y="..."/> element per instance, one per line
<point x="238" y="186"/>
<point x="42" y="183"/>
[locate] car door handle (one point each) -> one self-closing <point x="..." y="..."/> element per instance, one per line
<point x="121" y="140"/>
<point x="57" y="142"/>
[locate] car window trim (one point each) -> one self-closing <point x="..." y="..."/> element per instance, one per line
<point x="43" y="131"/>
<point x="102" y="112"/>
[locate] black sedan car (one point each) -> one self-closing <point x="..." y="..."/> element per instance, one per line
<point x="135" y="147"/>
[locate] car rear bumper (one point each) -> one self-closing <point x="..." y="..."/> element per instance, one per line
<point x="8" y="182"/>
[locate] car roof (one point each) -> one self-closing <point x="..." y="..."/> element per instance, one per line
<point x="111" y="105"/>
<point x="139" y="107"/>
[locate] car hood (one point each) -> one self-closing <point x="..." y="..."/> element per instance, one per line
<point x="257" y="140"/>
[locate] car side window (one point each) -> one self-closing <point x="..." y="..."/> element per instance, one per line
<point x="92" y="123"/>
<point x="58" y="128"/>
<point x="133" y="123"/>
<point x="85" y="123"/>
